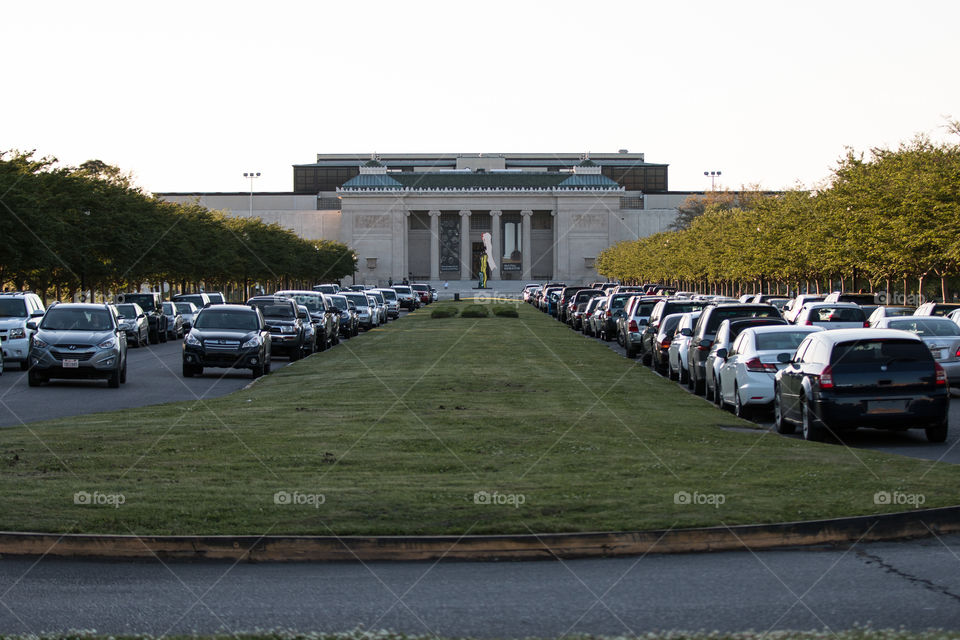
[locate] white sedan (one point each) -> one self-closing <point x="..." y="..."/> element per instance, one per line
<point x="749" y="366"/>
<point x="677" y="368"/>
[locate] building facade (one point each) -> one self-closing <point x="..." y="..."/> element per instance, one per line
<point x="420" y="216"/>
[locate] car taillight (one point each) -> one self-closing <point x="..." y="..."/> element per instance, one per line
<point x="941" y="374"/>
<point x="866" y="325"/>
<point x="706" y="347"/>
<point x="665" y="344"/>
<point x="826" y="378"/>
<point x="958" y="352"/>
<point x="609" y="314"/>
<point x="754" y="365"/>
<point x="809" y="323"/>
<point x="633" y="326"/>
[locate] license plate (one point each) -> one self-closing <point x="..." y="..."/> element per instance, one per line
<point x="876" y="407"/>
<point x="71" y="364"/>
<point x="942" y="354"/>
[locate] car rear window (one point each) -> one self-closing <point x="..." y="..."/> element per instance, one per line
<point x="880" y="351"/>
<point x="926" y="326"/>
<point x="719" y="315"/>
<point x="644" y="309"/>
<point x="781" y="340"/>
<point x="837" y="314"/>
<point x="683" y="307"/>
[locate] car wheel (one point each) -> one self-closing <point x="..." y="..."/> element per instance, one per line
<point x="682" y="376"/>
<point x="671" y="374"/>
<point x="24" y="365"/>
<point x="811" y="431"/>
<point x="779" y="421"/>
<point x="647" y="359"/>
<point x="739" y="409"/>
<point x="34" y="379"/>
<point x="322" y="345"/>
<point x="188" y="370"/>
<point x="163" y="336"/>
<point x="631" y="351"/>
<point x="123" y="373"/>
<point x="257" y="370"/>
<point x="699" y="386"/>
<point x="605" y="335"/>
<point x="717" y="398"/>
<point x="153" y="337"/>
<point x="114" y="380"/>
<point x="938" y="433"/>
<point x="707" y="391"/>
<point x="294" y="354"/>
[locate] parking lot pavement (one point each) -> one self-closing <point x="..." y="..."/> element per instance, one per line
<point x="153" y="377"/>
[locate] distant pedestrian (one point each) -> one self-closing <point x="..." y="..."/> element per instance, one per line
<point x="446" y="285"/>
<point x="390" y="281"/>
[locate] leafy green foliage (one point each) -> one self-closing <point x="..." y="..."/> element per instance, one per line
<point x="506" y="311"/>
<point x="474" y="311"/>
<point x="444" y="312"/>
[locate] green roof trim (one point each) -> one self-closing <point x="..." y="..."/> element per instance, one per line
<point x="481" y="180"/>
<point x="372" y="163"/>
<point x="587" y="162"/>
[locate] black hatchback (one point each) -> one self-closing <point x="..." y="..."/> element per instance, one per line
<point x="847" y="378"/>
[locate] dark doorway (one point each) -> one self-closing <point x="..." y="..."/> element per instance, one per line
<point x="478" y="252"/>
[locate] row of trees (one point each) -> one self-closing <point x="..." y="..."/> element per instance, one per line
<point x="890" y="221"/>
<point x="88" y="230"/>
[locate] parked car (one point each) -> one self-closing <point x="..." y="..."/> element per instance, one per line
<point x="406" y="297"/>
<point x="174" y="321"/>
<point x="598" y="317"/>
<point x="528" y="291"/>
<point x="327" y="289"/>
<point x="566" y="297"/>
<point x="229" y="336"/>
<point x="662" y="309"/>
<point x="216" y="297"/>
<point x="349" y="322"/>
<point x="323" y="317"/>
<point x="200" y="300"/>
<point x="616" y="308"/>
<point x="667" y="327"/>
<point x="285" y="323"/>
<point x="888" y="311"/>
<point x="381" y="305"/>
<point x="632" y="324"/>
<point x="832" y="315"/>
<point x="134" y="323"/>
<point x="309" y="331"/>
<point x="705" y="332"/>
<point x="423" y="291"/>
<point x="748" y="367"/>
<point x="955" y="316"/>
<point x="578" y="305"/>
<point x="792" y="308"/>
<point x="941" y="335"/>
<point x="76" y="340"/>
<point x="365" y="315"/>
<point x="392" y="302"/>
<point x="677" y="367"/>
<point x="849" y="378"/>
<point x="152" y="305"/>
<point x="187" y="311"/>
<point x="727" y="332"/>
<point x="585" y="325"/>
<point x="936" y="308"/>
<point x="17" y="308"/>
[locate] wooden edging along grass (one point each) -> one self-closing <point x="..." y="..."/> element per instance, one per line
<point x="890" y="526"/>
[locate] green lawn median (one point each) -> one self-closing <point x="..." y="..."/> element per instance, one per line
<point x="442" y="426"/>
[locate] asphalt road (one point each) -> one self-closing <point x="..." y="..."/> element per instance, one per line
<point x="915" y="584"/>
<point x="905" y="443"/>
<point x="153" y="377"/>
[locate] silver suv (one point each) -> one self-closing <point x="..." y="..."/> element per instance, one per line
<point x="78" y="341"/>
<point x="16" y="310"/>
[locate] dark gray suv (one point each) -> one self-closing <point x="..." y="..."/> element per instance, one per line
<point x="78" y="341"/>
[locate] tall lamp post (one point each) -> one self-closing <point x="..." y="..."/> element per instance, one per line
<point x="252" y="176"/>
<point x="713" y="175"/>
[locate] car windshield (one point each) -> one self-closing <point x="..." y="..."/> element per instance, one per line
<point x="310" y="300"/>
<point x="169" y="309"/>
<point x="216" y="298"/>
<point x="13" y="308"/>
<point x="76" y="320"/>
<point x="389" y="295"/>
<point x="377" y="297"/>
<point x="780" y="340"/>
<point x="402" y="289"/>
<point x="357" y="298"/>
<point x="882" y="351"/>
<point x="926" y="326"/>
<point x="339" y="302"/>
<point x="235" y="320"/>
<point x="128" y="310"/>
<point x="277" y="311"/>
<point x="197" y="300"/>
<point x="184" y="307"/>
<point x="720" y="315"/>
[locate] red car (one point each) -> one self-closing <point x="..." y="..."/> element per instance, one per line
<point x="423" y="292"/>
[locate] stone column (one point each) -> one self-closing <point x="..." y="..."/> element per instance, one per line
<point x="495" y="233"/>
<point x="556" y="245"/>
<point x="434" y="245"/>
<point x="405" y="243"/>
<point x="466" y="250"/>
<point x="525" y="244"/>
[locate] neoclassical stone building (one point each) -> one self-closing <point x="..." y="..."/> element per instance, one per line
<point x="421" y="215"/>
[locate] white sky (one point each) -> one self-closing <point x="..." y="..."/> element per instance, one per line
<point x="189" y="95"/>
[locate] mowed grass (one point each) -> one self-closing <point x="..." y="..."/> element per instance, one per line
<point x="402" y="430"/>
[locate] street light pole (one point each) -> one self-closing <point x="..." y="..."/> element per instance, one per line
<point x="712" y="174"/>
<point x="252" y="176"/>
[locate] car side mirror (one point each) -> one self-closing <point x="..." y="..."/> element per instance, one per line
<point x="302" y="316"/>
<point x="32" y="325"/>
<point x="36" y="313"/>
<point x="686" y="332"/>
<point x="722" y="354"/>
<point x="705" y="344"/>
<point x="784" y="358"/>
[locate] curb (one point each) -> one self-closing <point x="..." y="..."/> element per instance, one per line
<point x="891" y="526"/>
